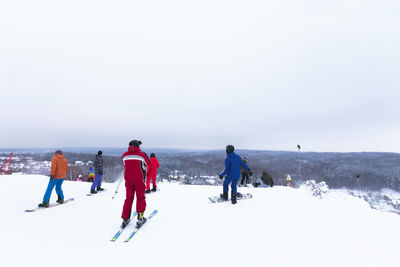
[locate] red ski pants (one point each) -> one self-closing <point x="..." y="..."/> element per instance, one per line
<point x="151" y="176"/>
<point x="132" y="188"/>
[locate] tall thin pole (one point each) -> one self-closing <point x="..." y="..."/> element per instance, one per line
<point x="298" y="147"/>
<point x="9" y="163"/>
<point x="358" y="184"/>
<point x="116" y="190"/>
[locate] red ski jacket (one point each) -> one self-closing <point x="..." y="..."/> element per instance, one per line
<point x="153" y="166"/>
<point x="135" y="163"/>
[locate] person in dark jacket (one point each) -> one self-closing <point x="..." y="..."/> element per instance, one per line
<point x="232" y="171"/>
<point x="264" y="181"/>
<point x="98" y="173"/>
<point x="135" y="163"/>
<point x="245" y="174"/>
<point x="58" y="171"/>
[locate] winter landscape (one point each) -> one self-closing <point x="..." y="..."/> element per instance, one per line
<point x="299" y="94"/>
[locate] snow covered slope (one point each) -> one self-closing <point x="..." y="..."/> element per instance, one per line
<point x="280" y="226"/>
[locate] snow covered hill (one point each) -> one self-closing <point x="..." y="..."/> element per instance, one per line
<point x="280" y="226"/>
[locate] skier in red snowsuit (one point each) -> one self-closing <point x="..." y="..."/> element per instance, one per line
<point x="152" y="173"/>
<point x="135" y="163"/>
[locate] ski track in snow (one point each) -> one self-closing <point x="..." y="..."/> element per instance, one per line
<point x="279" y="226"/>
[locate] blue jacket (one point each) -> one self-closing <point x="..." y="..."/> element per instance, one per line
<point x="232" y="166"/>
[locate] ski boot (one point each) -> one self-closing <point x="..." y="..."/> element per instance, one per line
<point x="233" y="198"/>
<point x="125" y="222"/>
<point x="44" y="205"/>
<point x="154" y="188"/>
<point x="100" y="189"/>
<point x="60" y="200"/>
<point x="93" y="191"/>
<point x="239" y="195"/>
<point x="224" y="196"/>
<point x="140" y="220"/>
<point x="147" y="191"/>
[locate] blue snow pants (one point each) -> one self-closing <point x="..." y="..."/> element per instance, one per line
<point x="55" y="183"/>
<point x="234" y="182"/>
<point x="97" y="181"/>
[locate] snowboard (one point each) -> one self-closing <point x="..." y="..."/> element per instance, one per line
<point x="217" y="199"/>
<point x="158" y="189"/>
<point x="90" y="194"/>
<point x="50" y="205"/>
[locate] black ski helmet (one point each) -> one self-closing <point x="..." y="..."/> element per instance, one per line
<point x="135" y="143"/>
<point x="229" y="149"/>
<point x="100" y="153"/>
<point x="152" y="155"/>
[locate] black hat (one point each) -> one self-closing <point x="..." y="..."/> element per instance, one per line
<point x="100" y="152"/>
<point x="59" y="152"/>
<point x="229" y="149"/>
<point x="152" y="155"/>
<point x="135" y="143"/>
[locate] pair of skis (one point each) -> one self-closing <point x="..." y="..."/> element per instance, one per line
<point x="117" y="234"/>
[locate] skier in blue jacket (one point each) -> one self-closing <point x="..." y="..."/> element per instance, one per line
<point x="232" y="170"/>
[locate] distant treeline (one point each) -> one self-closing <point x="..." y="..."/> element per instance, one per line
<point x="338" y="170"/>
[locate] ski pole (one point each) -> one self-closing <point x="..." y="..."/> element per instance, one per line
<point x="298" y="146"/>
<point x="116" y="190"/>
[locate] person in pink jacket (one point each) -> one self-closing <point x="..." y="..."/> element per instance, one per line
<point x="152" y="173"/>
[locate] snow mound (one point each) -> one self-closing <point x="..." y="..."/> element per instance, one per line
<point x="316" y="189"/>
<point x="279" y="226"/>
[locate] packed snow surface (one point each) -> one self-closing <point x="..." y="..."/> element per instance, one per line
<point x="279" y="226"/>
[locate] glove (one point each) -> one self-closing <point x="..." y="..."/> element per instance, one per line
<point x="250" y="173"/>
<point x="220" y="176"/>
<point x="51" y="177"/>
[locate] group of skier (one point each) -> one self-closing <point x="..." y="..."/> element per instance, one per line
<point x="138" y="167"/>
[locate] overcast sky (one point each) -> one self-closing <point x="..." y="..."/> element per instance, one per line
<point x="258" y="74"/>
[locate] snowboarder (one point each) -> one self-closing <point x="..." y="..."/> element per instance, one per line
<point x="98" y="170"/>
<point x="233" y="162"/>
<point x="58" y="171"/>
<point x="264" y="181"/>
<point x="135" y="163"/>
<point x="152" y="173"/>
<point x="245" y="174"/>
<point x="91" y="174"/>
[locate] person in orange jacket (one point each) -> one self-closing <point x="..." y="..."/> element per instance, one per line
<point x="152" y="173"/>
<point x="58" y="171"/>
